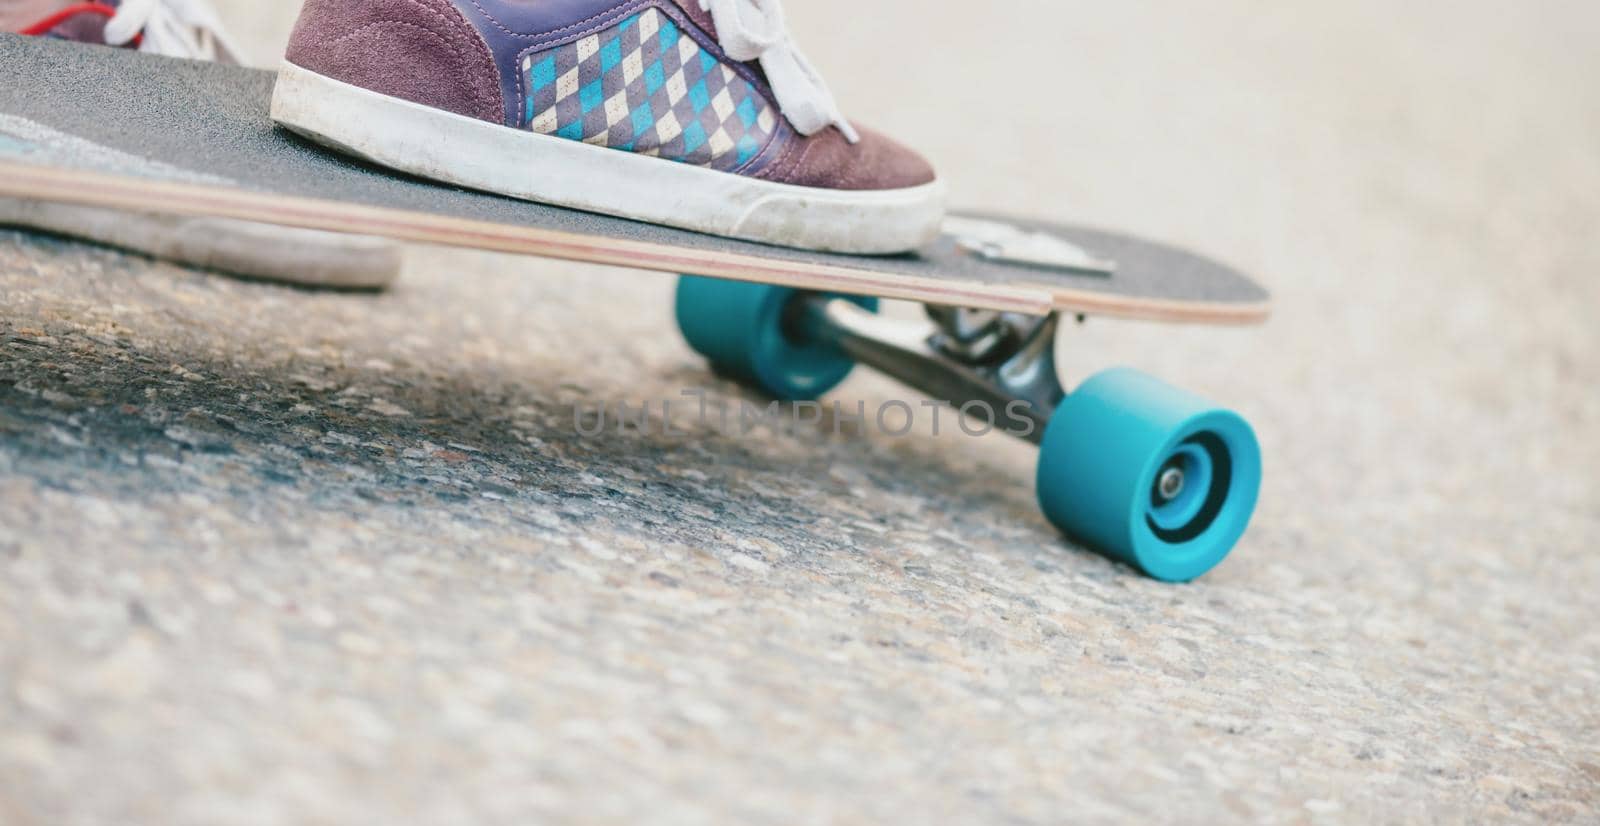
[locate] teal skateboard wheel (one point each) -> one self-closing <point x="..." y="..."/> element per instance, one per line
<point x="739" y="327"/>
<point x="1148" y="474"/>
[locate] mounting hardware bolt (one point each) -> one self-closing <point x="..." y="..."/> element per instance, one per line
<point x="1169" y="484"/>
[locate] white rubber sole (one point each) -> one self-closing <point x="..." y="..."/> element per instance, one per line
<point x="457" y="149"/>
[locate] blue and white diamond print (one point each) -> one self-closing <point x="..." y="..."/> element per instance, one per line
<point x="645" y="86"/>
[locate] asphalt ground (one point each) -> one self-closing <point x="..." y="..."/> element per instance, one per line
<point x="275" y="556"/>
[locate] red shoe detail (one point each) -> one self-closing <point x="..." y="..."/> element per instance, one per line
<point x="54" y="20"/>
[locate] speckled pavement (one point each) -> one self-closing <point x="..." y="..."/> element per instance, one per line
<point x="272" y="556"/>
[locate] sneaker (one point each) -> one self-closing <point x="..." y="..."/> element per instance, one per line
<point x="699" y="114"/>
<point x="176" y="28"/>
<point x="190" y="29"/>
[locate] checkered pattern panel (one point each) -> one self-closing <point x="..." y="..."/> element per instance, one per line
<point x="645" y="86"/>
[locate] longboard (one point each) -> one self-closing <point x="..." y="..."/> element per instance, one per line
<point x="114" y="128"/>
<point x="1129" y="466"/>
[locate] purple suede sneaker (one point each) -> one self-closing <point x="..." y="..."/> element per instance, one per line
<point x="698" y="114"/>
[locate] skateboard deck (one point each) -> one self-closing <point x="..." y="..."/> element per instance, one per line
<point x="114" y="128"/>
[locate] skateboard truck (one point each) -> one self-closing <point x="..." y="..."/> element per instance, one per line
<point x="1129" y="466"/>
<point x="1004" y="361"/>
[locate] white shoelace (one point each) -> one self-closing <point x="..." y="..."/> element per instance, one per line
<point x="755" y="30"/>
<point x="176" y="28"/>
